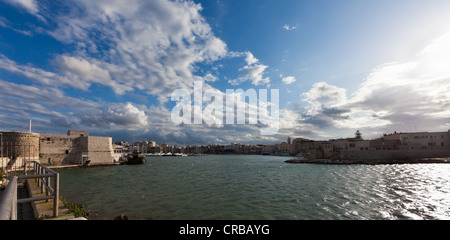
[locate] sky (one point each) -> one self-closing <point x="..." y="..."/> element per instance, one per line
<point x="110" y="67"/>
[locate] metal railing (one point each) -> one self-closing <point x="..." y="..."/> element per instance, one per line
<point x="8" y="203"/>
<point x="43" y="176"/>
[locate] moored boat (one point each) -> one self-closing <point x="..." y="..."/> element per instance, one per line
<point x="135" y="158"/>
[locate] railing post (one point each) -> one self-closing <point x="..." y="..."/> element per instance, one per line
<point x="35" y="170"/>
<point x="47" y="184"/>
<point x="42" y="180"/>
<point x="14" y="202"/>
<point x="38" y="171"/>
<point x="56" y="193"/>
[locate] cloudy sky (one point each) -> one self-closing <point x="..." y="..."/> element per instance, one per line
<point x="110" y="66"/>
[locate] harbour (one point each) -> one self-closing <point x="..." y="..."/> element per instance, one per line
<point x="196" y="110"/>
<point x="251" y="187"/>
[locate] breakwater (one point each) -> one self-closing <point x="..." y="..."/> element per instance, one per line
<point x="371" y="161"/>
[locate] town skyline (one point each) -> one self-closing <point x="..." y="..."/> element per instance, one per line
<point x="397" y="147"/>
<point x="111" y="67"/>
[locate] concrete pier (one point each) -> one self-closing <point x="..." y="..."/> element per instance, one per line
<point x="42" y="209"/>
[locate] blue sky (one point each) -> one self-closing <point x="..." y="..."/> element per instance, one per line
<point x="110" y="67"/>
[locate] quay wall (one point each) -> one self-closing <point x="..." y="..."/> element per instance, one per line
<point x="393" y="154"/>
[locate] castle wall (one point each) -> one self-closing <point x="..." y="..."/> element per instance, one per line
<point x="75" y="148"/>
<point x="20" y="144"/>
<point x="77" y="133"/>
<point x="100" y="150"/>
<point x="57" y="150"/>
<point x="18" y="147"/>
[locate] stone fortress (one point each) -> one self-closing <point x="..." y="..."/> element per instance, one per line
<point x="77" y="148"/>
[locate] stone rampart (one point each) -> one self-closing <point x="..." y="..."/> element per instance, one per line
<point x="76" y="148"/>
<point x="100" y="150"/>
<point x="20" y="144"/>
<point x="56" y="150"/>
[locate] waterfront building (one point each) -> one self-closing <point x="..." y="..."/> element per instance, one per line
<point x="164" y="147"/>
<point x="390" y="146"/>
<point x="119" y="152"/>
<point x="151" y="144"/>
<point x="285" y="147"/>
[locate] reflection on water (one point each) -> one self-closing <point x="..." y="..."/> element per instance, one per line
<point x="260" y="187"/>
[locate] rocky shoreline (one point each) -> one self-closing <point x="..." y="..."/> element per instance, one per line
<point x="370" y="162"/>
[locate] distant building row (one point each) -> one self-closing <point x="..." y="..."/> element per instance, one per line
<point x="391" y="146"/>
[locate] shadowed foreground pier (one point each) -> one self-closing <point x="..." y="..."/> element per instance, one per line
<point x="42" y="209"/>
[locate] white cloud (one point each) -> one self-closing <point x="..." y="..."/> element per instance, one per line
<point x="41" y="103"/>
<point x="6" y="24"/>
<point x="120" y="115"/>
<point x="44" y="77"/>
<point x="210" y="78"/>
<point x="287" y="27"/>
<point x="82" y="70"/>
<point x="250" y="59"/>
<point x="323" y="94"/>
<point x="150" y="43"/>
<point x="416" y="87"/>
<point x="126" y="115"/>
<point x="30" y="5"/>
<point x="288" y="80"/>
<point x="73" y="72"/>
<point x="47" y="95"/>
<point x="394" y="96"/>
<point x="253" y="72"/>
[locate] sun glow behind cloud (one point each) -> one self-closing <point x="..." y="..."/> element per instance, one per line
<point x="393" y="97"/>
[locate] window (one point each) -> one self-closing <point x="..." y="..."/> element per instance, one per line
<point x="67" y="151"/>
<point x="48" y="139"/>
<point x="442" y="144"/>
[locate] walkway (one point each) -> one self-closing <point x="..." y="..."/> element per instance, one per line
<point x="24" y="210"/>
<point x="39" y="209"/>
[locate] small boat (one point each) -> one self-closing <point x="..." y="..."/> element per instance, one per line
<point x="135" y="158"/>
<point x="179" y="155"/>
<point x="154" y="154"/>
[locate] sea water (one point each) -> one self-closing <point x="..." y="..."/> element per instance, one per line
<point x="255" y="187"/>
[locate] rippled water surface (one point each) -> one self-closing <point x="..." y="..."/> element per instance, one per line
<point x="259" y="187"/>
